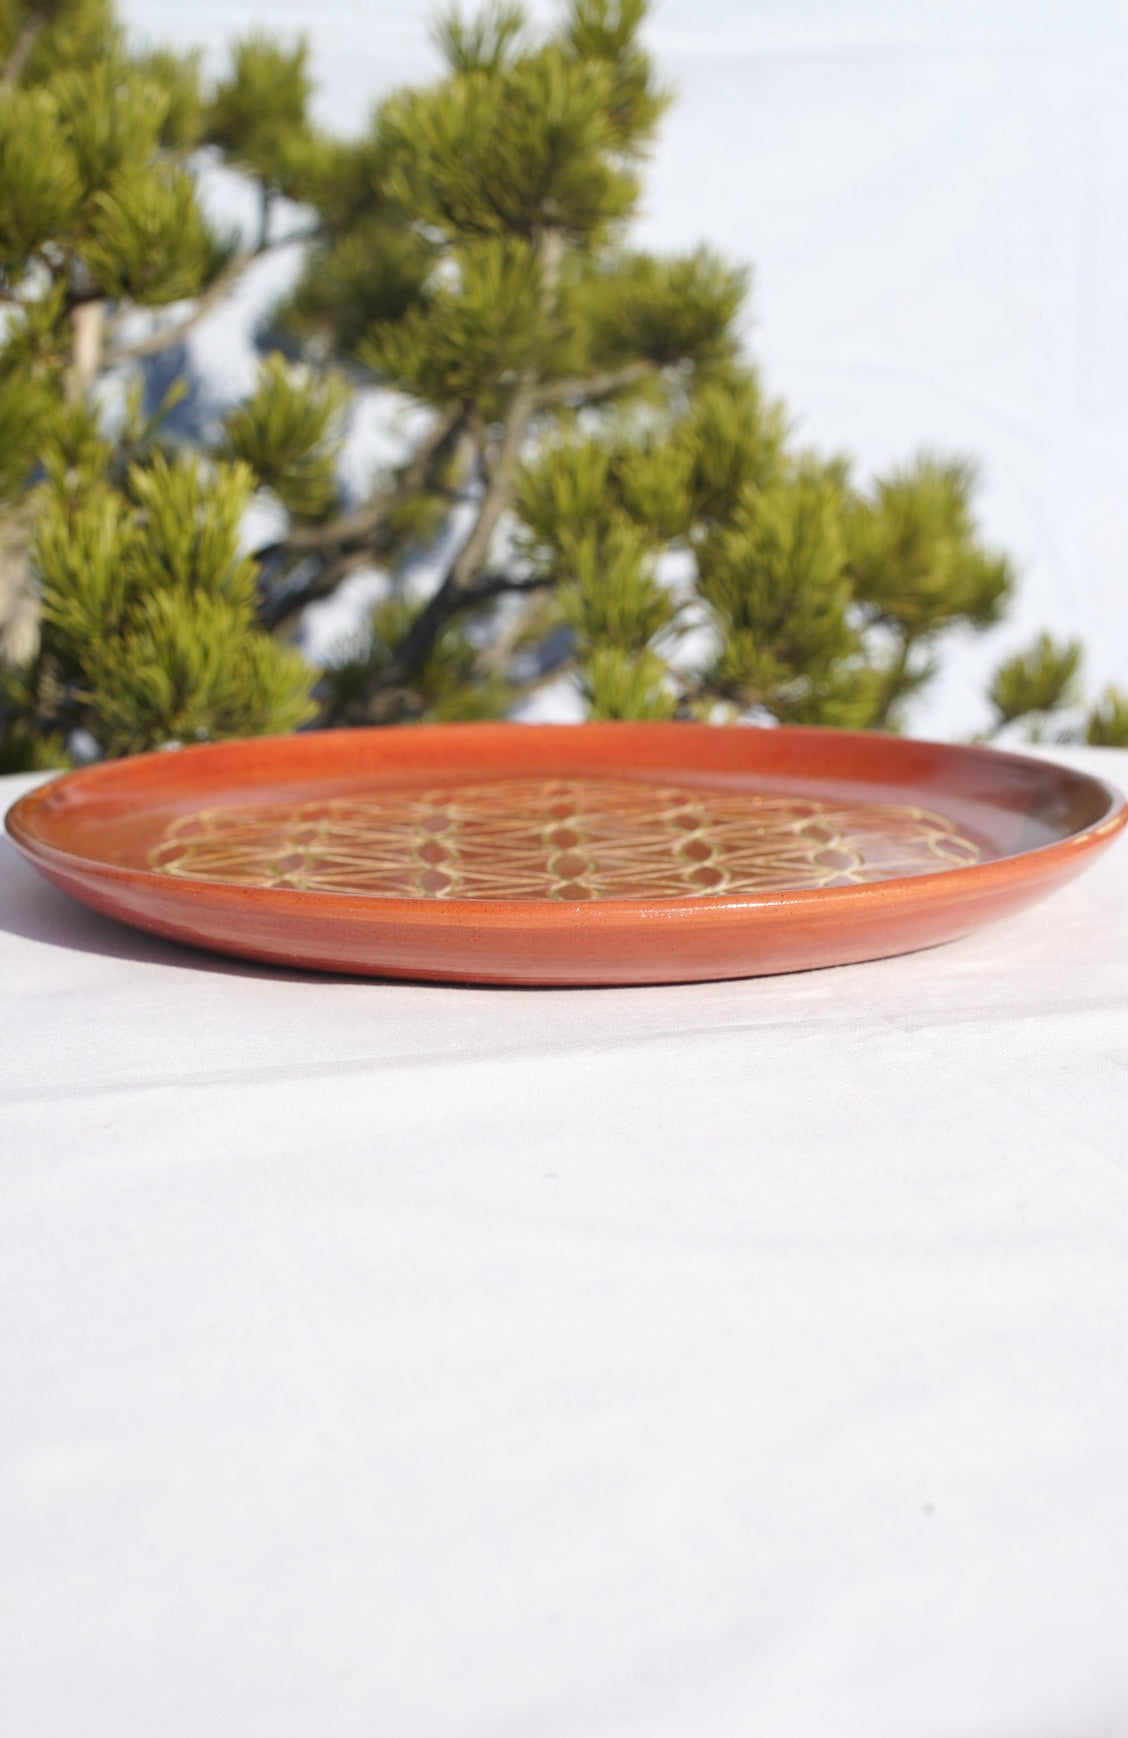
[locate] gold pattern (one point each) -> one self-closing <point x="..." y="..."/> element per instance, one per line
<point x="562" y="839"/>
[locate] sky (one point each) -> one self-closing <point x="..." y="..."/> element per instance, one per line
<point x="933" y="198"/>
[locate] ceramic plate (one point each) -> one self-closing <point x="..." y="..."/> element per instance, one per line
<point x="543" y="854"/>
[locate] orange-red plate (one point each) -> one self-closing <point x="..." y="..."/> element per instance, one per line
<point x="592" y="854"/>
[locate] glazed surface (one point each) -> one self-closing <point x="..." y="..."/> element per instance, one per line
<point x="560" y="839"/>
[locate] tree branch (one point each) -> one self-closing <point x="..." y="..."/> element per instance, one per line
<point x="278" y="609"/>
<point x="458" y="589"/>
<point x="88" y="320"/>
<point x="21" y="49"/>
<point x="895" y="679"/>
<point x="391" y="698"/>
<point x="490" y="585"/>
<point x="351" y="541"/>
<point x="266" y="205"/>
<point x="593" y="388"/>
<point x="166" y="336"/>
<point x="465" y="584"/>
<point x="353" y="530"/>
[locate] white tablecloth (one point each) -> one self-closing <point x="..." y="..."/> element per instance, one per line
<point x="410" y="1362"/>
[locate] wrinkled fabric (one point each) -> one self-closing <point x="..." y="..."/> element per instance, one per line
<point x="684" y="1362"/>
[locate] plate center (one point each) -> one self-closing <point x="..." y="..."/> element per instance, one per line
<point x="559" y="839"/>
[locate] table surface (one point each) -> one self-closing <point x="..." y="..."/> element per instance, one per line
<point x="388" y="1359"/>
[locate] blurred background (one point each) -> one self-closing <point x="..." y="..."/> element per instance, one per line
<point x="933" y="198"/>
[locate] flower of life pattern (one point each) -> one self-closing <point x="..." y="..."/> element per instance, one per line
<point x="559" y="839"/>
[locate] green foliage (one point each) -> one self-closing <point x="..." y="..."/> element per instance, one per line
<point x="524" y="147"/>
<point x="567" y="492"/>
<point x="454" y="690"/>
<point x="39" y="184"/>
<point x="472" y="340"/>
<point x="148" y="611"/>
<point x="471" y="259"/>
<point x="289" y="433"/>
<point x="23" y="749"/>
<point x="111" y="117"/>
<point x="187" y="670"/>
<point x="75" y="454"/>
<point x="147" y="606"/>
<point x="450" y="687"/>
<point x="913" y="554"/>
<point x="188" y="529"/>
<point x="26" y="406"/>
<point x="481" y="44"/>
<point x="733" y="442"/>
<point x="178" y="77"/>
<point x="620" y="684"/>
<point x="56" y="34"/>
<point x="148" y="241"/>
<point x="260" y="109"/>
<point x="86" y="193"/>
<point x="600" y="479"/>
<point x="1107" y="723"/>
<point x="80" y="552"/>
<point x="367" y="280"/>
<point x="774" y="579"/>
<point x="1037" y="682"/>
<point x="797" y="629"/>
<point x="1041" y="688"/>
<point x="34" y="340"/>
<point x="674" y="480"/>
<point x="612" y="597"/>
<point x="667" y="311"/>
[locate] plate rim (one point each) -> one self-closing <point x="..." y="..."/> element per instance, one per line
<point x="20" y="826"/>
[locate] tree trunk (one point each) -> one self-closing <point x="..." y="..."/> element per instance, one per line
<point x="457" y="589"/>
<point x="88" y="321"/>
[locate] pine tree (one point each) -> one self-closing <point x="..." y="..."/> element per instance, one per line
<point x="635" y="513"/>
<point x="127" y="610"/>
